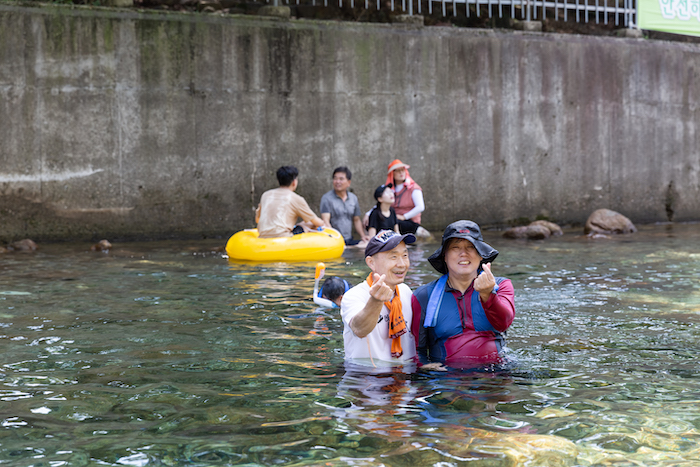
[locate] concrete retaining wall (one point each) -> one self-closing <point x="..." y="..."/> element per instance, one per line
<point x="120" y="124"/>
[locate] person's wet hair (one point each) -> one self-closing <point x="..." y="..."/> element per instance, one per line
<point x="333" y="288"/>
<point x="287" y="174"/>
<point x="345" y="170"/>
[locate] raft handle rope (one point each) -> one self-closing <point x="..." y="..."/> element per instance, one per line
<point x="369" y="350"/>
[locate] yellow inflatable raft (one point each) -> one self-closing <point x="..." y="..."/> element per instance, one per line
<point x="310" y="246"/>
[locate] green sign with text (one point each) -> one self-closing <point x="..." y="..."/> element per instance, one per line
<point x="676" y="16"/>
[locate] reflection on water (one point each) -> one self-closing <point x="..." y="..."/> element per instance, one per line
<point x="167" y="354"/>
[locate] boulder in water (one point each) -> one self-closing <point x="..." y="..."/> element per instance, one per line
<point x="553" y="228"/>
<point x="529" y="232"/>
<point x="22" y="245"/>
<point x="608" y="222"/>
<point x="102" y="245"/>
<point x="538" y="230"/>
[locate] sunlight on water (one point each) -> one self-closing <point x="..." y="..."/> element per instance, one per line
<point x="165" y="353"/>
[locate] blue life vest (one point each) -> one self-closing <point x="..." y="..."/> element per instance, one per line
<point x="447" y="327"/>
<point x="481" y="322"/>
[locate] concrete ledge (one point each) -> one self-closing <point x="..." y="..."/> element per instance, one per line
<point x="415" y="20"/>
<point x="631" y="33"/>
<point x="275" y="11"/>
<point x="531" y="26"/>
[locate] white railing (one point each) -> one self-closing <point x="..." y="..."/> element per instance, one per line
<point x="622" y="12"/>
<point x="619" y="12"/>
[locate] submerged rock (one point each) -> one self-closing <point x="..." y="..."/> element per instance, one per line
<point x="517" y="448"/>
<point x="22" y="245"/>
<point x="536" y="232"/>
<point x="608" y="222"/>
<point x="423" y="234"/>
<point x="553" y="228"/>
<point x="102" y="245"/>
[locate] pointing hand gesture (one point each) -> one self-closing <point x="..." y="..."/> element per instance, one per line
<point x="485" y="282"/>
<point x="379" y="290"/>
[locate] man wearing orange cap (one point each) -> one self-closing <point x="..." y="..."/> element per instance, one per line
<point x="408" y="202"/>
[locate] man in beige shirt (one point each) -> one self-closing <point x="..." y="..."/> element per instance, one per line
<point x="280" y="207"/>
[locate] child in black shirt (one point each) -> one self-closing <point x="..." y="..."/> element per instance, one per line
<point x="383" y="217"/>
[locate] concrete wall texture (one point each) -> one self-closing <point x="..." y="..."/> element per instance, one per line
<point x="128" y="124"/>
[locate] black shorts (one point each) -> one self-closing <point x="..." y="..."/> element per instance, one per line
<point x="408" y="226"/>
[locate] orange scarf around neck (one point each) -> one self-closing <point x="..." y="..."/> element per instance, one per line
<point x="397" y="325"/>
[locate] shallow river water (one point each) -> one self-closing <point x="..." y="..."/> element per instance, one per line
<point x="166" y="353"/>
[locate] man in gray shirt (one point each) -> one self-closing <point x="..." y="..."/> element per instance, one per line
<point x="341" y="210"/>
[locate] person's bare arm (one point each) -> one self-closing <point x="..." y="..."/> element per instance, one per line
<point x="302" y="209"/>
<point x="359" y="228"/>
<point x="318" y="222"/>
<point x="326" y="217"/>
<point x="364" y="322"/>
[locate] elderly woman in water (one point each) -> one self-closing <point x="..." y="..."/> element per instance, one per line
<point x="461" y="318"/>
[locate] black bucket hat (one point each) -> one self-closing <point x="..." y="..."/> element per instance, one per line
<point x="467" y="230"/>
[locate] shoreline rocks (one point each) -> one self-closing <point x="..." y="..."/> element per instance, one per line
<point x="22" y="245"/>
<point x="102" y="245"/>
<point x="537" y="230"/>
<point x="608" y="222"/>
<point x="602" y="223"/>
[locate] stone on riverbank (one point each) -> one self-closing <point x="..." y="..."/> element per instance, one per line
<point x="423" y="234"/>
<point x="102" y="245"/>
<point x="529" y="232"/>
<point x="553" y="228"/>
<point x="538" y="230"/>
<point x="22" y="245"/>
<point x="608" y="222"/>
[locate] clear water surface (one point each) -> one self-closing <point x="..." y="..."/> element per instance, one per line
<point x="166" y="353"/>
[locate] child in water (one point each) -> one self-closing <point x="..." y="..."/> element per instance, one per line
<point x="332" y="291"/>
<point x="334" y="288"/>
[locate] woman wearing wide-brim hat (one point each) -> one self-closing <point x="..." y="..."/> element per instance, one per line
<point x="461" y="318"/>
<point x="408" y="199"/>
